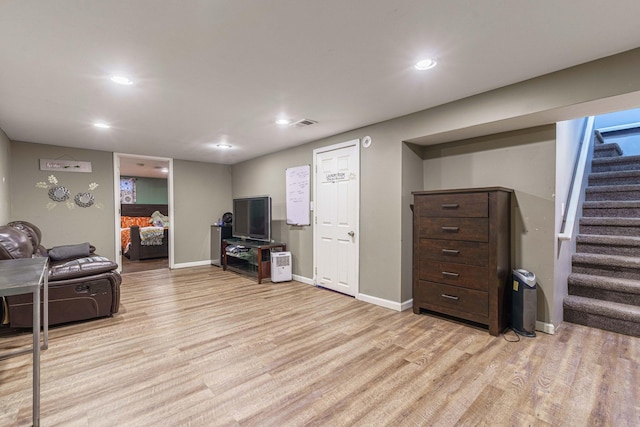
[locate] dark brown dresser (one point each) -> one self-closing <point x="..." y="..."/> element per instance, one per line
<point x="462" y="254"/>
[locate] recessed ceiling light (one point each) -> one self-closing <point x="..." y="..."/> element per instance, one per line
<point x="121" y="80"/>
<point x="223" y="146"/>
<point x="102" y="125"/>
<point x="283" y="122"/>
<point x="425" y="64"/>
<point x="165" y="170"/>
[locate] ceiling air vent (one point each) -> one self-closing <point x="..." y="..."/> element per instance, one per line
<point x="303" y="122"/>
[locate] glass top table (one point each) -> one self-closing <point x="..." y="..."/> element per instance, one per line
<point x="23" y="276"/>
<point x="19" y="276"/>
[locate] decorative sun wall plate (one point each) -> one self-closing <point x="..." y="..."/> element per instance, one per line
<point x="59" y="193"/>
<point x="84" y="200"/>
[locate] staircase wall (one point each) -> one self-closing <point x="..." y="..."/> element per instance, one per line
<point x="567" y="150"/>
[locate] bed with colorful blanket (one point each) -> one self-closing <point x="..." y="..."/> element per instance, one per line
<point x="144" y="231"/>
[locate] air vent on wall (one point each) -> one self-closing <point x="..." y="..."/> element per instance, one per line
<point x="303" y="122"/>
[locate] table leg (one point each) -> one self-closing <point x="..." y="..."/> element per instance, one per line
<point x="36" y="356"/>
<point x="259" y="265"/>
<point x="45" y="320"/>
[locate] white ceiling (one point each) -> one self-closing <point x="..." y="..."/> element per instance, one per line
<point x="207" y="72"/>
<point x="143" y="167"/>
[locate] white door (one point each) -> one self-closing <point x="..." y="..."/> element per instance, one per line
<point x="337" y="201"/>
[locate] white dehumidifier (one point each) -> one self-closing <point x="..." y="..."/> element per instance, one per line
<point x="280" y="266"/>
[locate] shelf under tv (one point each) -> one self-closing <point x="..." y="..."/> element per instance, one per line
<point x="251" y="257"/>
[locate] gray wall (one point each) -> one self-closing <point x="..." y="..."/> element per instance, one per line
<point x="412" y="178"/>
<point x="524" y="161"/>
<point x="597" y="87"/>
<point x="380" y="201"/>
<point x="201" y="194"/>
<point x="151" y="190"/>
<point x="5" y="172"/>
<point x="600" y="86"/>
<point x="266" y="176"/>
<point x="60" y="224"/>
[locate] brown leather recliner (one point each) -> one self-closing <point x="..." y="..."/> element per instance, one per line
<point x="82" y="284"/>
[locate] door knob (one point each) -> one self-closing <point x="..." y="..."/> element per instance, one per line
<point x="351" y="233"/>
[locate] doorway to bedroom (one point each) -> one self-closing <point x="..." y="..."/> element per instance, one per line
<point x="143" y="189"/>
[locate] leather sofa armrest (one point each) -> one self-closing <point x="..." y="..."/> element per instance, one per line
<point x="112" y="276"/>
<point x="81" y="267"/>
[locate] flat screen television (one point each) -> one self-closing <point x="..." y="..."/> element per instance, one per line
<point x="252" y="218"/>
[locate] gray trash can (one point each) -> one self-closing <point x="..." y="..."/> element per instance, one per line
<point x="524" y="303"/>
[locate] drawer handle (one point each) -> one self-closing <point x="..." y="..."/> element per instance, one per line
<point x="455" y="229"/>
<point x="450" y="251"/>
<point x="450" y="206"/>
<point x="450" y="297"/>
<point x="448" y="273"/>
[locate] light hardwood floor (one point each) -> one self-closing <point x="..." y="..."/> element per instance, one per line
<point x="202" y="347"/>
<point x="144" y="265"/>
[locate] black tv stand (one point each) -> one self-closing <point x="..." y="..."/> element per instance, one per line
<point x="252" y="257"/>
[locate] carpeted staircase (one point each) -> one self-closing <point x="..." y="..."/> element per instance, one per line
<point x="604" y="286"/>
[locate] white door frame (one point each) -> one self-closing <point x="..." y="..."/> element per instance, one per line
<point x="317" y="151"/>
<point x="116" y="198"/>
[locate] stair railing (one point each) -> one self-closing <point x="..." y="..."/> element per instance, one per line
<point x="573" y="198"/>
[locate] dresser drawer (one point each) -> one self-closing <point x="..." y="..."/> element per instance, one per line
<point x="462" y="252"/>
<point x="466" y="276"/>
<point x="453" y="205"/>
<point x="453" y="300"/>
<point x="473" y="229"/>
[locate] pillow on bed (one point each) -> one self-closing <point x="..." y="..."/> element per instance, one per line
<point x="128" y="221"/>
<point x="159" y="220"/>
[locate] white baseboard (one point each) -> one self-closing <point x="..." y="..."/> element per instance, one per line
<point x="407" y="305"/>
<point x="192" y="264"/>
<point x="547" y="328"/>
<point x="302" y="279"/>
<point x="382" y="302"/>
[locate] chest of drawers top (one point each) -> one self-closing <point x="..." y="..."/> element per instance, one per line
<point x="461" y="191"/>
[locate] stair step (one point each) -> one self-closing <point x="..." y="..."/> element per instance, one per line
<point x="612" y="192"/>
<point x="606" y="150"/>
<point x="610" y="164"/>
<point x="614" y="178"/>
<point x="608" y="244"/>
<point x="607" y="315"/>
<point x="623" y="291"/>
<point x="615" y="208"/>
<point x="610" y="226"/>
<point x="624" y="267"/>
